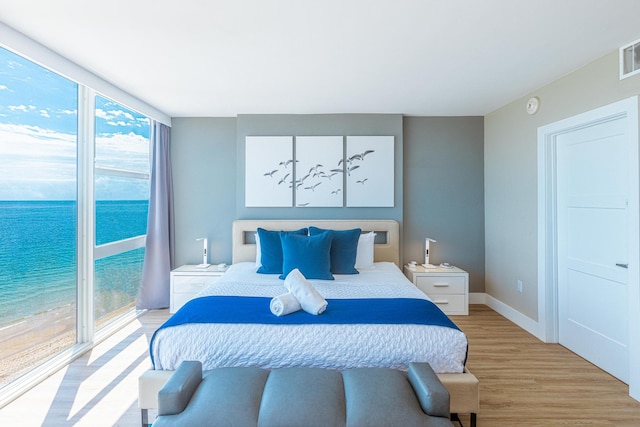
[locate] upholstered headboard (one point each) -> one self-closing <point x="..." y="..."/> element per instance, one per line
<point x="386" y="248"/>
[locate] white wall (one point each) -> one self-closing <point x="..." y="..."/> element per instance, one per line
<point x="510" y="159"/>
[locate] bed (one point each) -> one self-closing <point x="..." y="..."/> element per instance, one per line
<point x="336" y="346"/>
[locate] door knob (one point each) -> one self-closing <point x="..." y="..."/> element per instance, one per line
<point x="622" y="265"/>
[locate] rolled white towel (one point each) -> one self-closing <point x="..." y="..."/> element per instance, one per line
<point x="284" y="304"/>
<point x="308" y="297"/>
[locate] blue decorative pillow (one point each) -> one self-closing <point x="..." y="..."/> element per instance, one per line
<point x="271" y="250"/>
<point x="309" y="254"/>
<point x="344" y="248"/>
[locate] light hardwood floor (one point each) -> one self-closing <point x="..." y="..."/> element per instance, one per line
<point x="523" y="382"/>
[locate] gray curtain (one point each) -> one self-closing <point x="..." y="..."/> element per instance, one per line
<point x="159" y="252"/>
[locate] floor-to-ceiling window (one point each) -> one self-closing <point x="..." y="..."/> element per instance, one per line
<point x="38" y="137"/>
<point x="121" y="205"/>
<point x="45" y="208"/>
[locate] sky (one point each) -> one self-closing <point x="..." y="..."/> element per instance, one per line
<point x="38" y="144"/>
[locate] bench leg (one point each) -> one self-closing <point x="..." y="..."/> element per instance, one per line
<point x="472" y="419"/>
<point x="145" y="417"/>
<point x="455" y="418"/>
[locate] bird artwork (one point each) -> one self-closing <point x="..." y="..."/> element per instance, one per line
<point x="312" y="187"/>
<point x="352" y="165"/>
<point x="284" y="178"/>
<point x="285" y="163"/>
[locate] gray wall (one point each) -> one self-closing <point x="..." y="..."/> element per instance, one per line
<point x="444" y="192"/>
<point x="203" y="155"/>
<point x="511" y="174"/>
<point x="208" y="175"/>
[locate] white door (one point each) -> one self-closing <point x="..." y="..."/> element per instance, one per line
<point x="592" y="242"/>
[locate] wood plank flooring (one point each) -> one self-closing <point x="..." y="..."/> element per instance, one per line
<point x="523" y="382"/>
<point x="526" y="382"/>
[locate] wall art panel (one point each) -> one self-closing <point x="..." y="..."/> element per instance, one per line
<point x="269" y="171"/>
<point x="319" y="171"/>
<point x="369" y="166"/>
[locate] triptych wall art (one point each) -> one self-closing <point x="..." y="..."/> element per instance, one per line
<point x="319" y="171"/>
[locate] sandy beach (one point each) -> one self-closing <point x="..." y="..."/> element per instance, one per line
<point x="32" y="340"/>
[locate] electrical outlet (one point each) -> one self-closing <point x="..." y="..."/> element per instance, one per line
<point x="519" y="285"/>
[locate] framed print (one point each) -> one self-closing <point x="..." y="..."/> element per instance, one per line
<point x="269" y="171"/>
<point x="369" y="169"/>
<point x="319" y="171"/>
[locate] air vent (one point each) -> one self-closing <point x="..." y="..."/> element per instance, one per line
<point x="630" y="60"/>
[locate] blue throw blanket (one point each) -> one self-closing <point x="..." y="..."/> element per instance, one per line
<point x="235" y="309"/>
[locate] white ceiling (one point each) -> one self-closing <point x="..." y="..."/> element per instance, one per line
<point x="195" y="58"/>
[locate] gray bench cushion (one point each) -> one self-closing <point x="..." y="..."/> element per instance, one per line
<point x="308" y="397"/>
<point x="225" y="397"/>
<point x="381" y="397"/>
<point x="303" y="396"/>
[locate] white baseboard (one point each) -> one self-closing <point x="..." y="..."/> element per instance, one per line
<point x="511" y="314"/>
<point x="477" y="298"/>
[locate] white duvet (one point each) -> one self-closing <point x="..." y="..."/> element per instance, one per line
<point x="316" y="345"/>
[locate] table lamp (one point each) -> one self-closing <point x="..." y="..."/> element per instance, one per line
<point x="205" y="245"/>
<point x="426" y="253"/>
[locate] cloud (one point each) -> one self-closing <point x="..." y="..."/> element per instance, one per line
<point x="44" y="113"/>
<point x="120" y="123"/>
<point x="117" y="117"/>
<point x="100" y="113"/>
<point x="3" y="87"/>
<point x="123" y="151"/>
<point x="22" y="108"/>
<point x="38" y="164"/>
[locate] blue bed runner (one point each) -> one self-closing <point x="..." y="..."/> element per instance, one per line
<point x="235" y="309"/>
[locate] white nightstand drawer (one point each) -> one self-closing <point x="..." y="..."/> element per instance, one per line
<point x="192" y="284"/>
<point x="188" y="280"/>
<point x="450" y="303"/>
<point x="441" y="284"/>
<point x="181" y="299"/>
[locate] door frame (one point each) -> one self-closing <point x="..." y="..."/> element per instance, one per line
<point x="547" y="225"/>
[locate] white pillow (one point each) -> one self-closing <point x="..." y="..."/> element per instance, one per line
<point x="258" y="252"/>
<point x="364" y="254"/>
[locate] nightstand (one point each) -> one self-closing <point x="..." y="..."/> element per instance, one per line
<point x="187" y="281"/>
<point x="448" y="288"/>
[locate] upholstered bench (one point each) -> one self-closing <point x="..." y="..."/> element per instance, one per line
<point x="464" y="392"/>
<point x="303" y="396"/>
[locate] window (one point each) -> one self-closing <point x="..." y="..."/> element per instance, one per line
<point x="58" y="176"/>
<point x="38" y="140"/>
<point x="121" y="189"/>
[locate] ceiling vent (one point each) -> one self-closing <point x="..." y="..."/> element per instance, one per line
<point x="630" y="60"/>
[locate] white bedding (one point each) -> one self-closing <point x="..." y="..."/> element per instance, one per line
<point x="316" y="345"/>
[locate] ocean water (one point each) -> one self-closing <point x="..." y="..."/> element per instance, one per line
<point x="38" y="256"/>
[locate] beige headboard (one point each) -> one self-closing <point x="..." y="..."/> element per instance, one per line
<point x="389" y="250"/>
